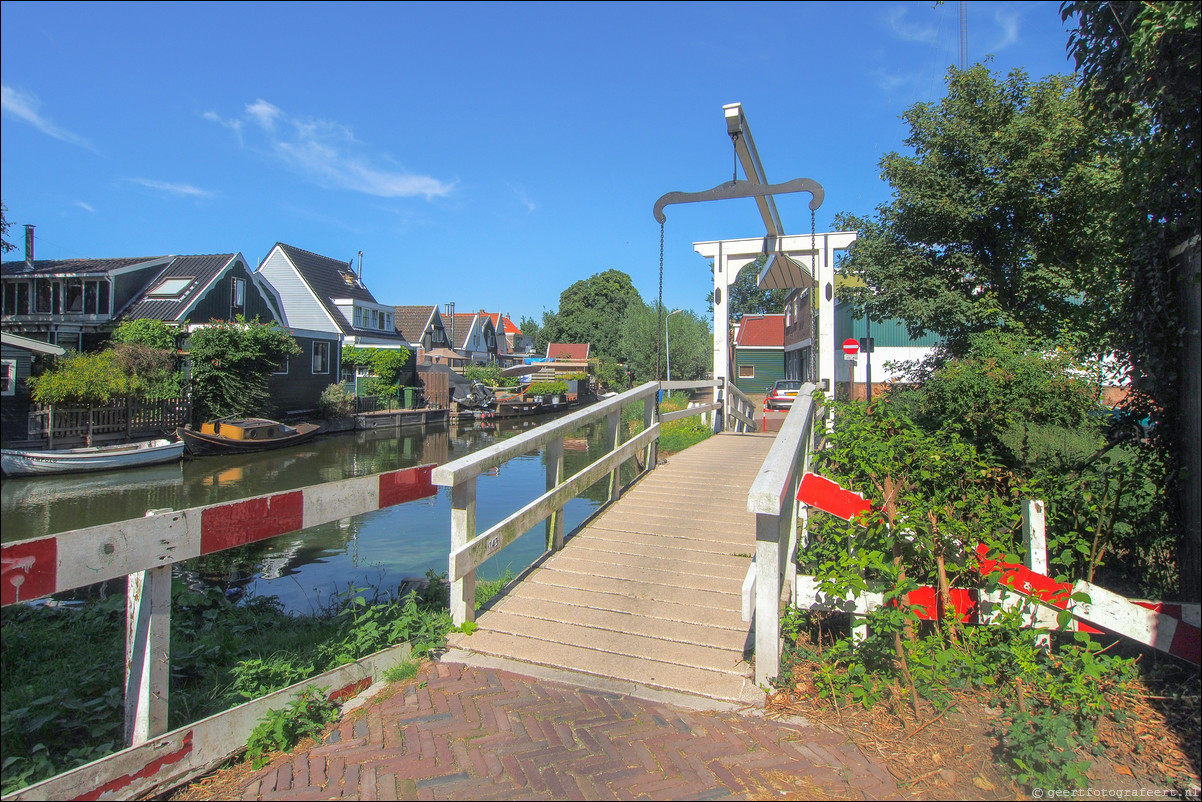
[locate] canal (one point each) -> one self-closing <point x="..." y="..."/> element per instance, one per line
<point x="379" y="549"/>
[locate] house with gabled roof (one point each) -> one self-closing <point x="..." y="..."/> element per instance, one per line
<point x="474" y="336"/>
<point x="507" y="330"/>
<point x="422" y="326"/>
<point x="77" y="303"/>
<point x="324" y="294"/>
<point x="759" y="352"/>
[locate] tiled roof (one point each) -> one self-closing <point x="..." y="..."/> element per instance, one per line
<point x="761" y="330"/>
<point x="502" y="324"/>
<point x="58" y="267"/>
<point x="411" y="321"/>
<point x="577" y="351"/>
<point x="463" y="327"/>
<point x="201" y="269"/>
<point x="329" y="279"/>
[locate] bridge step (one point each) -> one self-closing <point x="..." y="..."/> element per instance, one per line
<point x="650" y="591"/>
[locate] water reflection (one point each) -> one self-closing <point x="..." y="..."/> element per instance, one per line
<point x="381" y="548"/>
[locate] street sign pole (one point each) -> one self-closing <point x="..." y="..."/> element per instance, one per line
<point x="851" y="347"/>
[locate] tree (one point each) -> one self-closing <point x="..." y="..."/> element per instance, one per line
<point x="1139" y="66"/>
<point x="231" y="362"/>
<point x="688" y="336"/>
<point x="590" y="312"/>
<point x="152" y="333"/>
<point x="1002" y="218"/>
<point x="5" y="245"/>
<point x="746" y="297"/>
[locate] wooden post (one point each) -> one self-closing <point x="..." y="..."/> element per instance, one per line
<point x="648" y="422"/>
<point x="463" y="529"/>
<point x="1035" y="537"/>
<point x="767" y="598"/>
<point x="147" y="653"/>
<point x="554" y="477"/>
<point x="613" y="438"/>
<point x="129" y="418"/>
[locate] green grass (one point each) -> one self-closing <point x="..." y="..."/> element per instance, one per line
<point x="60" y="711"/>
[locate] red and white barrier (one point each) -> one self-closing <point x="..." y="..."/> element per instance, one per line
<point x="31" y="569"/>
<point x="1170" y="628"/>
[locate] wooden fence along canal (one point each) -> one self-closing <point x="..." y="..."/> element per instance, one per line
<point x="63" y="426"/>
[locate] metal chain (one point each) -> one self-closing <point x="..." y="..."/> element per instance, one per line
<point x="659" y="339"/>
<point x="814" y="297"/>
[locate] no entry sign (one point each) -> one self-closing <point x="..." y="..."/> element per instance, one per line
<point x="851" y="346"/>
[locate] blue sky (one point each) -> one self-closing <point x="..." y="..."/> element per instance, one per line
<point x="483" y="154"/>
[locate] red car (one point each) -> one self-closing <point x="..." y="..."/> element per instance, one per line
<point x="782" y="394"/>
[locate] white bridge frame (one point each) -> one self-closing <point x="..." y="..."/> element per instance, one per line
<point x="788" y="265"/>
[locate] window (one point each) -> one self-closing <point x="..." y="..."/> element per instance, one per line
<point x="238" y="296"/>
<point x="282" y="368"/>
<point x="358" y="317"/>
<point x="321" y="358"/>
<point x="16" y="298"/>
<point x="170" y="288"/>
<point x="8" y="377"/>
<point x="746" y="371"/>
<point x="74" y="299"/>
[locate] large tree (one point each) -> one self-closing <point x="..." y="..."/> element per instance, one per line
<point x="1139" y="66"/>
<point x="688" y="342"/>
<point x="231" y="363"/>
<point x="591" y="311"/>
<point x="1001" y="218"/>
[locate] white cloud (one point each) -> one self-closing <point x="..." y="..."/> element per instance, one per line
<point x="264" y="114"/>
<point x="1008" y="22"/>
<point x="24" y="107"/>
<point x="85" y="206"/>
<point x="524" y="198"/>
<point x="179" y="190"/>
<point x="910" y="31"/>
<point x="328" y="154"/>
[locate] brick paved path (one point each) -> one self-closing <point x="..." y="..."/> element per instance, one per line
<point x="460" y="732"/>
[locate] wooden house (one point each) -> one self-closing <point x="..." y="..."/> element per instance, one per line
<point x="759" y="352"/>
<point x="17" y="357"/>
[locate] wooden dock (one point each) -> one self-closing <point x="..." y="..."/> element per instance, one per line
<point x="649" y="592"/>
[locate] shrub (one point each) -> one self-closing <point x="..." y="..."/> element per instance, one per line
<point x="336" y="402"/>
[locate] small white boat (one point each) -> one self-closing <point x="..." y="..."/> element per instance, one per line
<point x="95" y="458"/>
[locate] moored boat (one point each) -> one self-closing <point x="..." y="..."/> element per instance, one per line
<point x="243" y="436"/>
<point x="23" y="462"/>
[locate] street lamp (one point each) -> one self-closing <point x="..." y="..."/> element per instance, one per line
<point x="667" y="346"/>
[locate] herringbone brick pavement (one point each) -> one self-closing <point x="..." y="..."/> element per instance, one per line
<point x="460" y="732"/>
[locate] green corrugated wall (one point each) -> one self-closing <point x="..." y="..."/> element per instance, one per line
<point x="769" y="366"/>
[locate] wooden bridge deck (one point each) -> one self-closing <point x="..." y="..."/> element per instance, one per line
<point x="649" y="591"/>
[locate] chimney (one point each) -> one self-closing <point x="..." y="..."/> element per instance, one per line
<point x="29" y="245"/>
<point x="360" y="267"/>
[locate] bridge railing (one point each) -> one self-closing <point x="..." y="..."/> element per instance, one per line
<point x="470" y="550"/>
<point x="740" y="412"/>
<point x="144" y="550"/>
<point x="773" y="500"/>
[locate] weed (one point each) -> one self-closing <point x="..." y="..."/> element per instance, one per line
<point x="304" y="717"/>
<point x="403" y="672"/>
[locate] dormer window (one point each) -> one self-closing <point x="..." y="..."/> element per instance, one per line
<point x="170" y="288"/>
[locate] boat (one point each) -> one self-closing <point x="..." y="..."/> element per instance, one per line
<point x="21" y="462"/>
<point x="243" y="436"/>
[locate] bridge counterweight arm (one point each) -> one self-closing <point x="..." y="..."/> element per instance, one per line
<point x="742" y="189"/>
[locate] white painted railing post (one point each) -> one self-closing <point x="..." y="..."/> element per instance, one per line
<point x="554" y="458"/>
<point x="613" y="439"/>
<point x="463" y="529"/>
<point x="1036" y="539"/>
<point x="767" y="598"/>
<point x="147" y="653"/>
